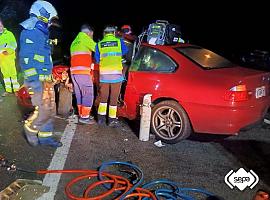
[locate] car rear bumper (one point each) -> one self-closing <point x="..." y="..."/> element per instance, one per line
<point x="225" y="120"/>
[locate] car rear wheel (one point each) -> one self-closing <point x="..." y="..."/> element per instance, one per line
<point x="170" y="122"/>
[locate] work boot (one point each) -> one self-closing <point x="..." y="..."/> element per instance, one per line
<point x="31" y="135"/>
<point x="49" y="141"/>
<point x="101" y="120"/>
<point x="86" y="120"/>
<point x="114" y="123"/>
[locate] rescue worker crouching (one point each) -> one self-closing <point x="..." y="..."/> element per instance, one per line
<point x="36" y="63"/>
<point x="81" y="60"/>
<point x="8" y="47"/>
<point x="108" y="55"/>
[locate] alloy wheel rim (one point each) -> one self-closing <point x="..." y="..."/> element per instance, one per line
<point x="167" y="123"/>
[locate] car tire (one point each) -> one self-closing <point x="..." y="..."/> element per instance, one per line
<point x="64" y="107"/>
<point x="169" y="122"/>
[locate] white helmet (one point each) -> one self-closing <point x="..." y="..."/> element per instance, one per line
<point x="43" y="9"/>
<point x="40" y="10"/>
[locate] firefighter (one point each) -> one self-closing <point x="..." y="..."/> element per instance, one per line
<point x="126" y="29"/>
<point x="81" y="60"/>
<point x="8" y="47"/>
<point x="36" y="63"/>
<point x="129" y="39"/>
<point x="109" y="52"/>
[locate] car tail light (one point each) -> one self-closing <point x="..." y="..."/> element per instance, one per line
<point x="236" y="94"/>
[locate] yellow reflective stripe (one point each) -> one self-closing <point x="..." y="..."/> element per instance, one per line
<point x="44" y="134"/>
<point x="34" y="131"/>
<point x="44" y="19"/>
<point x="41" y="77"/>
<point x="48" y="77"/>
<point x="30" y="91"/>
<point x="30" y="72"/>
<point x="102" y="108"/>
<point x="45" y="77"/>
<point x="112" y="111"/>
<point x="39" y="58"/>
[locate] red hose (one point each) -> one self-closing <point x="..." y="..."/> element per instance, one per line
<point x="118" y="183"/>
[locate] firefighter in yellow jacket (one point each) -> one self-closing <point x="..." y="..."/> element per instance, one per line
<point x="8" y="47"/>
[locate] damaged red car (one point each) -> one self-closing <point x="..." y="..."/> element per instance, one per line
<point x="193" y="90"/>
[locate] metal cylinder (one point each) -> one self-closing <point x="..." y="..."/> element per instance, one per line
<point x="145" y="112"/>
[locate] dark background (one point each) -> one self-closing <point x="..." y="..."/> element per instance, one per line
<point x="222" y="26"/>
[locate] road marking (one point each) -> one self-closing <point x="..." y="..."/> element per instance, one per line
<point x="59" y="159"/>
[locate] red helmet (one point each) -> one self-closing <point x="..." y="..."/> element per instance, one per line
<point x="126" y="29"/>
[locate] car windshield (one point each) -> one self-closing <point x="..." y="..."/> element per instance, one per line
<point x="205" y="58"/>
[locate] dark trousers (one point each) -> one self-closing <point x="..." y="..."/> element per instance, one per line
<point x="109" y="92"/>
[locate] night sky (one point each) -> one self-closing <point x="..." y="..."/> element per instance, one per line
<point x="223" y="26"/>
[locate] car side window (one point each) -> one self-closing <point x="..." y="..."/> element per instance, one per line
<point x="150" y="59"/>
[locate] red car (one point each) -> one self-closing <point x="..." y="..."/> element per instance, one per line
<point x="194" y="90"/>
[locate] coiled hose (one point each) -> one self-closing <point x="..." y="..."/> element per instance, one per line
<point x="120" y="188"/>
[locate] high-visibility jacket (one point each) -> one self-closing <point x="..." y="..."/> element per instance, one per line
<point x="7" y="43"/>
<point x="35" y="54"/>
<point x="110" y="55"/>
<point x="81" y="54"/>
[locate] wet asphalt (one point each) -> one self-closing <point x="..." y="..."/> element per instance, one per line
<point x="201" y="161"/>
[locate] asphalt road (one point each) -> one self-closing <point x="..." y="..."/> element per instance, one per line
<point x="201" y="161"/>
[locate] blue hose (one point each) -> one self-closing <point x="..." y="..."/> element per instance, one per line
<point x="132" y="166"/>
<point x="174" y="192"/>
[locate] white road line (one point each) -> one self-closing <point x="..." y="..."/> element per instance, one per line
<point x="59" y="159"/>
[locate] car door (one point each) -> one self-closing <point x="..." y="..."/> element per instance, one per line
<point x="149" y="68"/>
